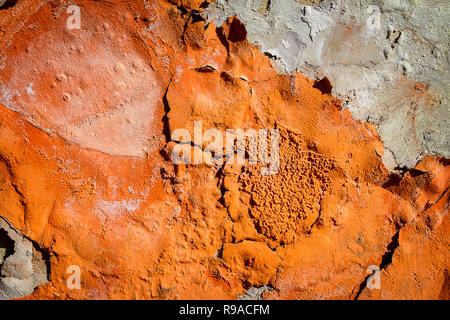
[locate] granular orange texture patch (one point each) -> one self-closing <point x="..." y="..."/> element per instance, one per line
<point x="286" y="204"/>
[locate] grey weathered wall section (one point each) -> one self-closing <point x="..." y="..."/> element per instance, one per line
<point x="373" y="70"/>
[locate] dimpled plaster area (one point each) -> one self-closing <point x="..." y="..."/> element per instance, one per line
<point x="387" y="60"/>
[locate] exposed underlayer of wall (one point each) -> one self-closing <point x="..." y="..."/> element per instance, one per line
<point x="22" y="265"/>
<point x="388" y="61"/>
<point x="87" y="182"/>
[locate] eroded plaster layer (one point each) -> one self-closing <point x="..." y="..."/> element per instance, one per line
<point x="22" y="264"/>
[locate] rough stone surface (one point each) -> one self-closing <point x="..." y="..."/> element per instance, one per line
<point x="22" y="265"/>
<point x="86" y="175"/>
<point x="394" y="75"/>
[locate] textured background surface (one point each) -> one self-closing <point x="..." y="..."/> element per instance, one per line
<point x="394" y="75"/>
<point x="86" y="118"/>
